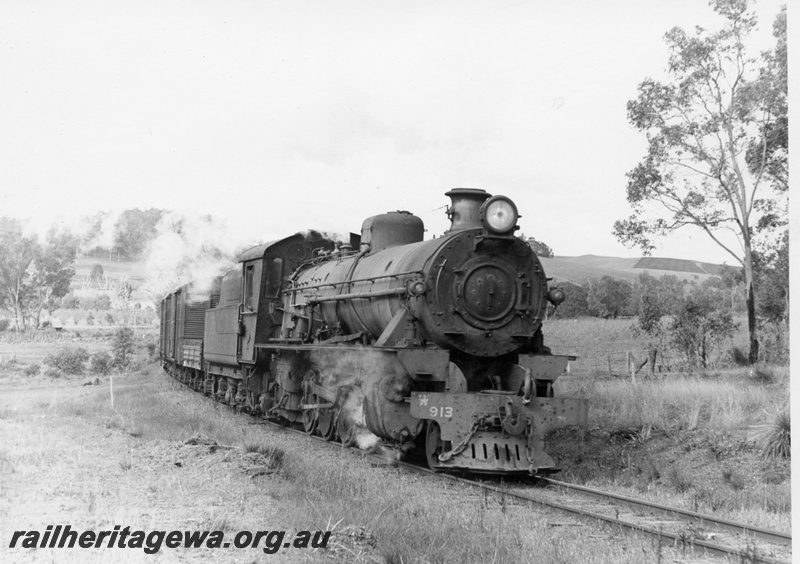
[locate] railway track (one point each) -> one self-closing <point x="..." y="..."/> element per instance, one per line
<point x="695" y="532"/>
<point x="698" y="533"/>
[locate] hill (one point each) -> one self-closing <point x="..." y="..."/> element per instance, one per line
<point x="578" y="269"/>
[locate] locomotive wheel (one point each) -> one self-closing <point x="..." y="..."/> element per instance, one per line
<point x="310" y="417"/>
<point x="325" y="424"/>
<point x="310" y="421"/>
<point x="434" y="445"/>
<point x="346" y="430"/>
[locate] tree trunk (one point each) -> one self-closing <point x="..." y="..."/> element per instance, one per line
<point x="749" y="276"/>
<point x="751" y="325"/>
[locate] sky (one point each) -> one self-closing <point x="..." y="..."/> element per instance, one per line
<point x="276" y="117"/>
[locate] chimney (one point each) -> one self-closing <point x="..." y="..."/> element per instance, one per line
<point x="464" y="213"/>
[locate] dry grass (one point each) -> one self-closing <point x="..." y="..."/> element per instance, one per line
<point x="720" y="404"/>
<point x="376" y="513"/>
<point x="599" y="343"/>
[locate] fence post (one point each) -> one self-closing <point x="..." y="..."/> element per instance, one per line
<point x="631" y="366"/>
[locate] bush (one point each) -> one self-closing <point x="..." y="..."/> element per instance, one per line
<point x="774" y="439"/>
<point x="123" y="347"/>
<point x="68" y="360"/>
<point x="101" y="302"/>
<point x="52" y="372"/>
<point x="70" y="301"/>
<point x="4" y="323"/>
<point x="575" y="304"/>
<point x="698" y="329"/>
<point x="31" y="370"/>
<point x="152" y="351"/>
<point x="101" y="362"/>
<point x="97" y="272"/>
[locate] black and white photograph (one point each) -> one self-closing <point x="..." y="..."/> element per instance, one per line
<point x="417" y="282"/>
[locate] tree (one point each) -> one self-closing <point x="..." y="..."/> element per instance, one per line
<point x="134" y="230"/>
<point x="17" y="252"/>
<point x="53" y="269"/>
<point x="699" y="328"/>
<point x="540" y="248"/>
<point x="32" y="275"/>
<point x="717" y="143"/>
<point x="97" y="273"/>
<point x="772" y="298"/>
<point x="772" y="269"/>
<point x="123" y="347"/>
<point x="575" y="304"/>
<point x="608" y="297"/>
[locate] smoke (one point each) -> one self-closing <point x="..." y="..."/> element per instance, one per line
<point x="190" y="249"/>
<point x="98" y="231"/>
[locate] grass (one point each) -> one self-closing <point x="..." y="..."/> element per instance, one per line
<point x="713" y="443"/>
<point x="376" y="513"/>
<point x="674" y="404"/>
<point x="602" y="347"/>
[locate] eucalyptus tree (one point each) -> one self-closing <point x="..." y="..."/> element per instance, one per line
<point x="717" y="143"/>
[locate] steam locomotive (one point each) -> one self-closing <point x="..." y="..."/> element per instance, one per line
<point x="432" y="347"/>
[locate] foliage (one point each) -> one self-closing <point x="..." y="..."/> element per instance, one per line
<point x="17" y="252"/>
<point x="70" y="301"/>
<point x="540" y="248"/>
<point x="717" y="142"/>
<point x="69" y="360"/>
<point x="97" y="272"/>
<point x="101" y="362"/>
<point x="123" y="347"/>
<point x="698" y="330"/>
<point x="774" y="439"/>
<point x="33" y="275"/>
<point x="134" y="230"/>
<point x="4" y="323"/>
<point x="575" y="304"/>
<point x="649" y="303"/>
<point x="609" y="297"/>
<point x="772" y="271"/>
<point x="53" y="270"/>
<point x="100" y="301"/>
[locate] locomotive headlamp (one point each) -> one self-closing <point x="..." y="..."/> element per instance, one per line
<point x="500" y="215"/>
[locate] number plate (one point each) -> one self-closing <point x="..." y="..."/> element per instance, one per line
<point x="431" y="407"/>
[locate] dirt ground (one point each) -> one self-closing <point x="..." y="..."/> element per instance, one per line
<point x="58" y="466"/>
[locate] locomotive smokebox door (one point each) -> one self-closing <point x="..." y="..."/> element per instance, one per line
<point x="248" y="311"/>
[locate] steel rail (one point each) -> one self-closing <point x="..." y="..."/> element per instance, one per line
<point x="778" y="537"/>
<point x="665" y="538"/>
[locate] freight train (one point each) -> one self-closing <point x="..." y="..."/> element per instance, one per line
<point x="431" y="346"/>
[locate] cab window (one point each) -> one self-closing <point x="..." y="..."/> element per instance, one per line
<point x="274" y="278"/>
<point x="249" y="291"/>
